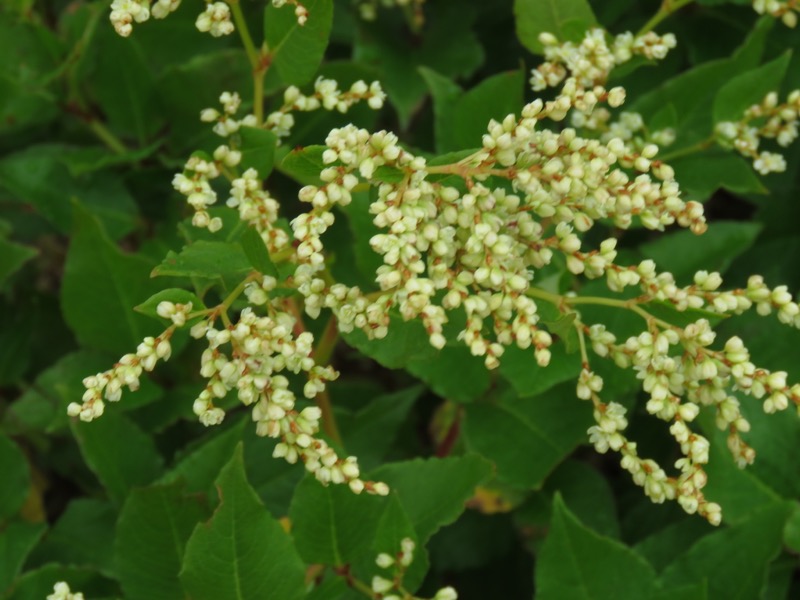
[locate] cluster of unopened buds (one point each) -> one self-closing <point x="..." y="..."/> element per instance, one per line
<point x="629" y="127"/>
<point x="215" y="19"/>
<point x="590" y="62"/>
<point x="391" y="588"/>
<point x="769" y="119"/>
<point x="785" y="10"/>
<point x="61" y="591"/>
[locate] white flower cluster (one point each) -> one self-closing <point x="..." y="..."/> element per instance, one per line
<point x="225" y="122"/>
<point x="482" y="247"/>
<point x="785" y="10"/>
<point x="769" y="119"/>
<point x="61" y="591"/>
<point x="590" y="62"/>
<point x="629" y="127"/>
<point x="300" y="11"/>
<point x="216" y="19"/>
<point x="109" y="384"/>
<point x="194" y="183"/>
<point x="391" y="588"/>
<point x="258" y="209"/>
<point x="125" y="12"/>
<point x="326" y="95"/>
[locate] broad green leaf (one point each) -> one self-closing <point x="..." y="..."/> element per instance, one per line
<point x="559" y="17"/>
<point x="296" y="51"/>
<point x="494" y="98"/>
<point x="696" y="591"/>
<point x="520" y="369"/>
<point x="387" y="45"/>
<point x="17" y="539"/>
<point x="175" y="295"/>
<point x="43" y="407"/>
<point x="16" y="478"/>
<point x="206" y="260"/>
<point x="370" y="432"/>
<point x="749" y="88"/>
<point x="120" y="454"/>
<point x="527" y="437"/>
<point x="661" y="548"/>
<point x="12" y="257"/>
<point x="100" y="288"/>
<point x="258" y="150"/>
<point x="702" y="174"/>
<point x="791" y="531"/>
<point x="153" y="528"/>
<point x="331" y="525"/>
<point x="273" y="480"/>
<point x="434" y="490"/>
<point x="405" y="339"/>
<point x="575" y="563"/>
<point x="445" y="94"/>
<point x="39" y="176"/>
<point x="200" y="465"/>
<point x="683" y="253"/>
<point x="733" y="561"/>
<point x="242" y="552"/>
<point x="304" y="164"/>
<point x="257" y="253"/>
<point x="19" y="326"/>
<point x="127" y="97"/>
<point x="455" y="373"/>
<point x="89" y="520"/>
<point x="207" y="75"/>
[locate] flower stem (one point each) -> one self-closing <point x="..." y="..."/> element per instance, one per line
<point x="322" y="356"/>
<point x="698" y="147"/>
<point x="667" y="8"/>
<point x="108" y="138"/>
<point x="256" y="58"/>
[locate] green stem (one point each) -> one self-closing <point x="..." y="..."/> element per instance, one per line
<point x="667" y="8"/>
<point x="255" y="57"/>
<point x="322" y="356"/>
<point x="698" y="147"/>
<point x="108" y="138"/>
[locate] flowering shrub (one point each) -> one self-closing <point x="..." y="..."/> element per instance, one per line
<point x="353" y="305"/>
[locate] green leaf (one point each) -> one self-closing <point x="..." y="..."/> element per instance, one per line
<point x="446" y="94"/>
<point x="304" y="164"/>
<point x="257" y="253"/>
<point x="153" y="528"/>
<point x="16" y="478"/>
<point x="520" y="369"/>
<point x="43" y="407"/>
<point x="455" y="374"/>
<point x="559" y="17"/>
<point x="100" y="288"/>
<point x="405" y="339"/>
<point x="387" y="45"/>
<point x="576" y="563"/>
<point x="258" y="150"/>
<point x="749" y="88"/>
<point x="126" y="96"/>
<point x="38" y="584"/>
<point x="206" y="260"/>
<point x="493" y="98"/>
<point x="331" y="525"/>
<point x="370" y="432"/>
<point x="527" y="437"/>
<point x="200" y="465"/>
<point x="703" y="174"/>
<point x="791" y="531"/>
<point x="683" y="253"/>
<point x="296" y="51"/>
<point x="12" y="257"/>
<point x="89" y="520"/>
<point x="733" y="561"/>
<point x="39" y="176"/>
<point x="242" y="552"/>
<point x="17" y="539"/>
<point x="433" y="491"/>
<point x="118" y="452"/>
<point x="175" y="295"/>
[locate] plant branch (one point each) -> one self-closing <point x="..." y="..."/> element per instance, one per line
<point x="667" y="8"/>
<point x="256" y="57"/>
